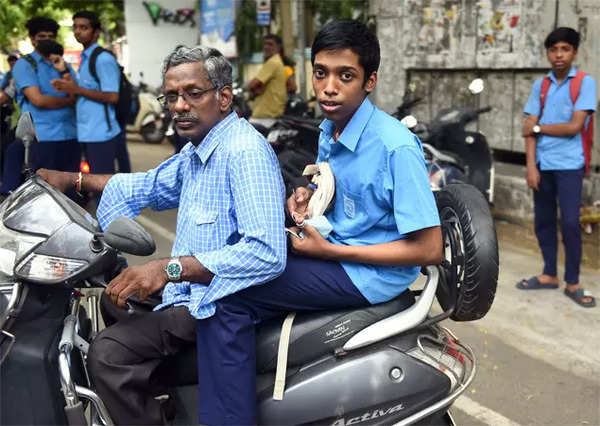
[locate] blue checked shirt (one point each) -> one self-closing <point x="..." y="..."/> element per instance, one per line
<point x="230" y="197"/>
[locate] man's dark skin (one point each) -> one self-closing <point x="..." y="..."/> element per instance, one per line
<point x="86" y="35"/>
<point x="193" y="120"/>
<point x="33" y="93"/>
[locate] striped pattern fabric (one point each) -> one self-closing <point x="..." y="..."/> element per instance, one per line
<point x="230" y="196"/>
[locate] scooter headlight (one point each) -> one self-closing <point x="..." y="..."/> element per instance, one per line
<point x="39" y="267"/>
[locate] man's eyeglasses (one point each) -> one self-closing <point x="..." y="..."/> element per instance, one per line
<point x="189" y="95"/>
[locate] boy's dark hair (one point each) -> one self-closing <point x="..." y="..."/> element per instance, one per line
<point x="275" y="38"/>
<point x="566" y="34"/>
<point x="353" y="35"/>
<point x="39" y="24"/>
<point x="90" y="16"/>
<point x="48" y="47"/>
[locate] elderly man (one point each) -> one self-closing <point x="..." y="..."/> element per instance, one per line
<point x="230" y="230"/>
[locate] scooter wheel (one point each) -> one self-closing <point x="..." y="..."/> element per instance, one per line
<point x="470" y="250"/>
<point x="151" y="133"/>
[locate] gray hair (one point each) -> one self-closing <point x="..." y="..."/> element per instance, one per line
<point x="216" y="65"/>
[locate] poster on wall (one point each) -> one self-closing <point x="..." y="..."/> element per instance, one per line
<point x="498" y="25"/>
<point x="437" y="30"/>
<point x="217" y="27"/>
<point x="263" y="12"/>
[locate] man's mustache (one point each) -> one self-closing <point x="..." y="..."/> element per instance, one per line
<point x="186" y="116"/>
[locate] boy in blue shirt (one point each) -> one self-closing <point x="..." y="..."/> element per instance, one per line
<point x="52" y="112"/>
<point x="385" y="224"/>
<point x="97" y="126"/>
<point x="555" y="162"/>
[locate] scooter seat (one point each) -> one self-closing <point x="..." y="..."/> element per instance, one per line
<point x="313" y="335"/>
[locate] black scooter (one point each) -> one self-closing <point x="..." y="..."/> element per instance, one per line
<point x="388" y="363"/>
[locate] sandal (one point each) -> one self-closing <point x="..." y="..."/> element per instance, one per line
<point x="578" y="296"/>
<point x="534" y="283"/>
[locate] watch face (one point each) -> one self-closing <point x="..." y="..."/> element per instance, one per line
<point x="173" y="270"/>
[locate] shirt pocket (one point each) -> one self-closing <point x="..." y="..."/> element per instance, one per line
<point x="204" y="235"/>
<point x="350" y="206"/>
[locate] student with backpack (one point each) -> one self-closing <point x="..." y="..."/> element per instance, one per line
<point x="97" y="89"/>
<point x="558" y="138"/>
<point x="52" y="111"/>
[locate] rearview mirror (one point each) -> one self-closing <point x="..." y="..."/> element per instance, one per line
<point x="25" y="128"/>
<point x="476" y="86"/>
<point x="128" y="236"/>
<point x="409" y="121"/>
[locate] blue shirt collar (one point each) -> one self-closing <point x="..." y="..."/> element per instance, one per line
<point x="353" y="130"/>
<point x="207" y="146"/>
<point x="87" y="52"/>
<point x="35" y="55"/>
<point x="572" y="73"/>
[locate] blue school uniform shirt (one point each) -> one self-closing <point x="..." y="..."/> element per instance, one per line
<point x="91" y="116"/>
<point x="5" y="80"/>
<point x="382" y="193"/>
<point x="230" y="196"/>
<point x="560" y="152"/>
<point x="51" y="125"/>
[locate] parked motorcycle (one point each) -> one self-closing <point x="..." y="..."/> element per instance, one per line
<point x="388" y="363"/>
<point x="453" y="154"/>
<point x="149" y="121"/>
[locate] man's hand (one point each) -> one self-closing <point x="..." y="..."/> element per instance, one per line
<point x="65" y="86"/>
<point x="533" y="177"/>
<point x="297" y="204"/>
<point x="142" y="279"/>
<point x="60" y="180"/>
<point x="312" y="245"/>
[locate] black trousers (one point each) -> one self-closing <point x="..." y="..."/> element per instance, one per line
<point x="124" y="356"/>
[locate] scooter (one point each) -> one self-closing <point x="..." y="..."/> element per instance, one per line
<point x="454" y="154"/>
<point x="149" y="120"/>
<point x="390" y="363"/>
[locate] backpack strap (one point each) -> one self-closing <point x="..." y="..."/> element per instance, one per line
<point x="546" y="82"/>
<point x="92" y="67"/>
<point x="587" y="133"/>
<point x="31" y="61"/>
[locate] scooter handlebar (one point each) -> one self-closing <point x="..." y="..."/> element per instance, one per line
<point x="484" y="110"/>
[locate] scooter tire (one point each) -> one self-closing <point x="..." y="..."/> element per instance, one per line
<point x="470" y="249"/>
<point x="151" y="134"/>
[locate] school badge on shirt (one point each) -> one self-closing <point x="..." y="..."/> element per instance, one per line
<point x="348" y="206"/>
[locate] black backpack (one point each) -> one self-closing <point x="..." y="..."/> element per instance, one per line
<point x="123" y="105"/>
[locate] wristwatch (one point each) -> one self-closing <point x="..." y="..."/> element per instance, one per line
<point x="536" y="129"/>
<point x="174" y="270"/>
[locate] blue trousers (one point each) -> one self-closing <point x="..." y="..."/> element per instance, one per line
<point x="63" y="155"/>
<point x="226" y="341"/>
<point x="101" y="155"/>
<point x="121" y="153"/>
<point x="564" y="186"/>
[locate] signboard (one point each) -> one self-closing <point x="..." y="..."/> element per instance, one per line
<point x="218" y="26"/>
<point x="263" y="12"/>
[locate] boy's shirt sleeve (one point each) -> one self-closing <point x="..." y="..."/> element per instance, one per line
<point x="413" y="201"/>
<point x="108" y="72"/>
<point x="587" y="95"/>
<point x="24" y="75"/>
<point x="532" y="107"/>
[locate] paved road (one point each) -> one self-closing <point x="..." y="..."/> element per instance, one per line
<point x="538" y="352"/>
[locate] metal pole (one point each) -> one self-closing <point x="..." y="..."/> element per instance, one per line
<point x="301" y="45"/>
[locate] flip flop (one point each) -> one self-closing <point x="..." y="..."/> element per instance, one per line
<point x="578" y="296"/>
<point x="534" y="283"/>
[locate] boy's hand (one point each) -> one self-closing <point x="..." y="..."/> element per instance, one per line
<point x="60" y="180"/>
<point x="141" y="279"/>
<point x="312" y="245"/>
<point x="533" y="177"/>
<point x="64" y="86"/>
<point x="297" y="204"/>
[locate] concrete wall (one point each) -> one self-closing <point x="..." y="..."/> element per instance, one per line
<point x="148" y="44"/>
<point x="440" y="45"/>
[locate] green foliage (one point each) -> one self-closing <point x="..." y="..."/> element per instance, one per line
<point x="340" y="9"/>
<point x="14" y="15"/>
<point x="248" y="34"/>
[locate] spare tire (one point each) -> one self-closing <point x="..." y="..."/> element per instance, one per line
<point x="470" y="251"/>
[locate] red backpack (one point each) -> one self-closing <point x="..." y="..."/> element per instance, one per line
<point x="587" y="133"/>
